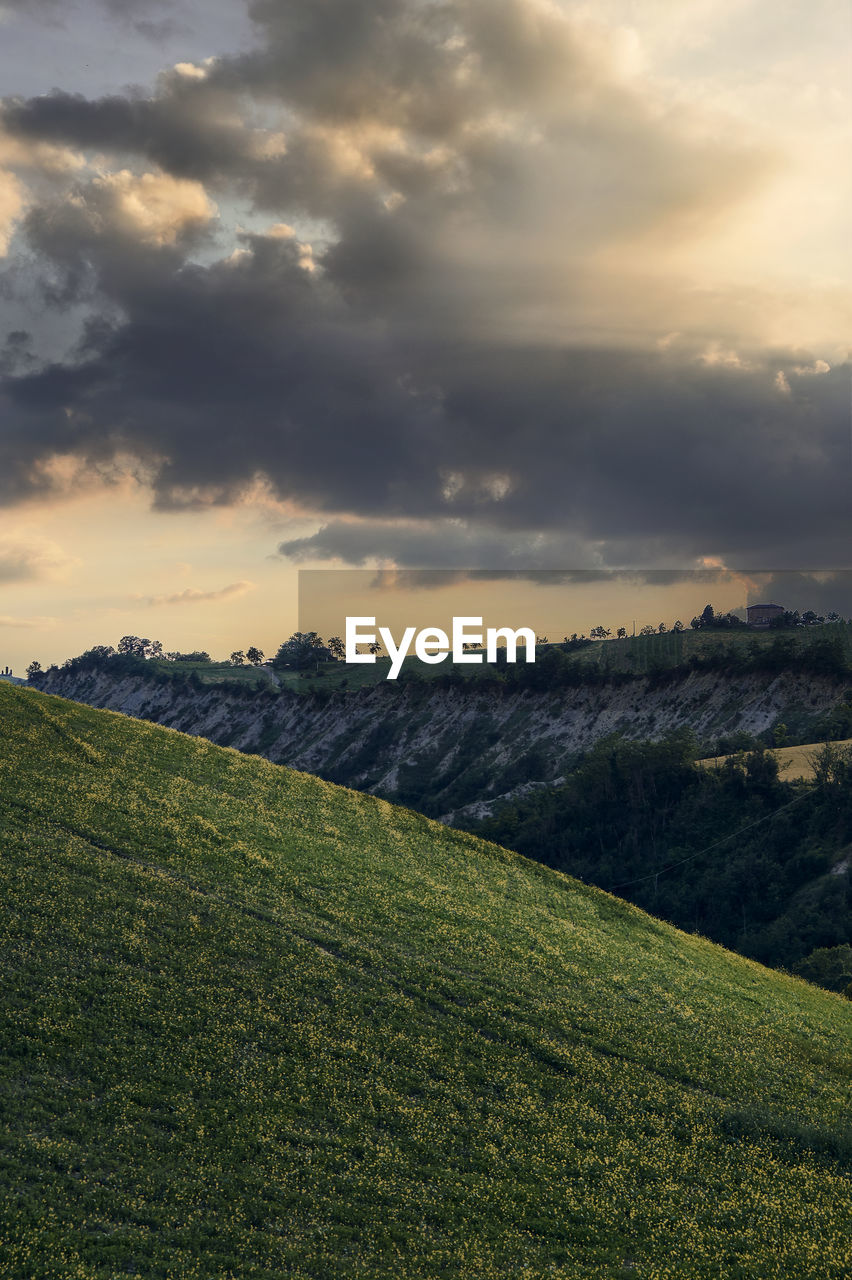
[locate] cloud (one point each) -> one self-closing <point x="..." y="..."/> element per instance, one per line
<point x="26" y="623"/>
<point x="823" y="592"/>
<point x="255" y="366"/>
<point x="40" y="8"/>
<point x="507" y="111"/>
<point x="30" y="558"/>
<point x="478" y="329"/>
<point x="192" y="595"/>
<point x="57" y="12"/>
<point x="11" y="206"/>
<point x="318" y="583"/>
<point x="153" y="207"/>
<point x="450" y="546"/>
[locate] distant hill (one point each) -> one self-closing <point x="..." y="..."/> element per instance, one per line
<point x="734" y="651"/>
<point x="256" y="1025"/>
<point x="455" y="747"/>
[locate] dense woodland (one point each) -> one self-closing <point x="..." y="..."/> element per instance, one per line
<point x="735" y="853"/>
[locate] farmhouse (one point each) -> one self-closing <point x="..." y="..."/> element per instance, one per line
<point x="761" y="615"/>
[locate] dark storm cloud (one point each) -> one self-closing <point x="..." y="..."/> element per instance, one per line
<point x="16" y="353"/>
<point x="31" y="6"/>
<point x="426" y="545"/>
<point x="360" y="59"/>
<point x="182" y="131"/>
<point x="258" y="366"/>
<point x="467" y="161"/>
<point x="822" y="592"/>
<point x="427" y="579"/>
<point x="61" y="10"/>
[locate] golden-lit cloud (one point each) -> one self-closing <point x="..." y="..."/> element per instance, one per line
<point x="191" y="595"/>
<point x="33" y="156"/>
<point x="155" y="207"/>
<point x="26" y="556"/>
<point x="27" y="624"/>
<point x="190" y="70"/>
<point x="11" y="206"/>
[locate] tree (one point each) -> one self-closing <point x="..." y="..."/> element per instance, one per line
<point x="789" y="618"/>
<point x="621" y="633"/>
<point x="708" y="617"/>
<point x="137" y="647"/>
<point x="662" y="629"/>
<point x="100" y="653"/>
<point x="831" y="764"/>
<point x="303" y="650"/>
<point x="337" y="648"/>
<point x="34" y="669"/>
<point x="132" y="646"/>
<point x="647" y="630"/>
<point x="728" y="620"/>
<point x="254" y="655"/>
<point x="374" y="648"/>
<point x="237" y="658"/>
<point x="678" y="626"/>
<point x="829" y="967"/>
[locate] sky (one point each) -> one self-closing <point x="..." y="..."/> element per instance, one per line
<point x="477" y="284"/>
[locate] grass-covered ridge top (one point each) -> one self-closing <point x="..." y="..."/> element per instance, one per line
<point x="823" y="650"/>
<point x="257" y="1025"/>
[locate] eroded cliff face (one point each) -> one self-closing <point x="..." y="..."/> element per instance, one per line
<point x="452" y="752"/>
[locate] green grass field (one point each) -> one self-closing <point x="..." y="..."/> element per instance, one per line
<point x="331" y="675"/>
<point x="258" y="1026"/>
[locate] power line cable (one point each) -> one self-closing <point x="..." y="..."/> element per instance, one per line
<point x="757" y="822"/>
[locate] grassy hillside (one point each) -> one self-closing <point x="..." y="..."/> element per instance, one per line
<point x="259" y="1026"/>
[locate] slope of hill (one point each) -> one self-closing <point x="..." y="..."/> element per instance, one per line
<point x="256" y="1025"/>
<point x="443" y="749"/>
